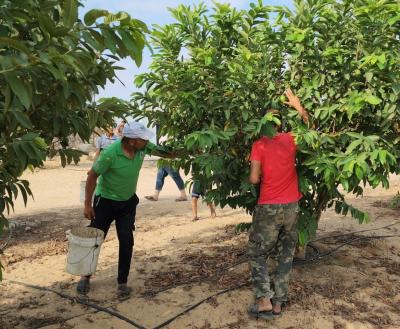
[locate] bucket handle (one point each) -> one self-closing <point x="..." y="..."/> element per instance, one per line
<point x="90" y="250"/>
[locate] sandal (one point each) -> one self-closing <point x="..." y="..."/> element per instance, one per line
<point x="151" y="198"/>
<point x="180" y="199"/>
<point x="253" y="311"/>
<point x="278" y="314"/>
<point x="83" y="286"/>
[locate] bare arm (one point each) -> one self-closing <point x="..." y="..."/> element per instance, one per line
<point x="294" y="102"/>
<point x="255" y="172"/>
<point x="89" y="190"/>
<point x="164" y="154"/>
<point x="96" y="155"/>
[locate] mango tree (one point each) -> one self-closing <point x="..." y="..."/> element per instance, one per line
<point x="216" y="73"/>
<point x="52" y="65"/>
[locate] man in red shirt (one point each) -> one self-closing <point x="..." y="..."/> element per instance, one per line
<point x="274" y="227"/>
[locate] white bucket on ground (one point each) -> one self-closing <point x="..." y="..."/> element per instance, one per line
<point x="83" y="250"/>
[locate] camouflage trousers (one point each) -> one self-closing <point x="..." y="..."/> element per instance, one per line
<point x="273" y="238"/>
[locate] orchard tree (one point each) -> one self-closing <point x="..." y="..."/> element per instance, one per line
<point x="216" y="73"/>
<point x="52" y="66"/>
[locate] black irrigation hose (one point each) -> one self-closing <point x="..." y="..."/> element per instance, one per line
<point x="354" y="232"/>
<point x="80" y="301"/>
<point x="348" y="242"/>
<point x="321" y="256"/>
<point x="200" y="279"/>
<point x="165" y="323"/>
<point x="212" y="275"/>
<point x="296" y="262"/>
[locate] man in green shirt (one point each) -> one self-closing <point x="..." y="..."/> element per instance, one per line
<point x="113" y="180"/>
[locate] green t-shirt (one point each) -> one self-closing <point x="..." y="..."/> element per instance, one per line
<point x="118" y="173"/>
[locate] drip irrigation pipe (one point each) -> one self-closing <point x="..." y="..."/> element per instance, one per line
<point x="80" y="301"/>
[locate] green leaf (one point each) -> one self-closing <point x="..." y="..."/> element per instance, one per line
<point x="353" y="145"/>
<point x="110" y="39"/>
<point x="28" y="150"/>
<point x="139" y="81"/>
<point x="369" y="76"/>
<point x="29" y="136"/>
<point x="46" y="24"/>
<point x="393" y="20"/>
<point x="140" y="25"/>
<point x="132" y="46"/>
<point x="382" y="156"/>
<point x="18" y="45"/>
<point x="21" y="156"/>
<point x="359" y="172"/>
<point x="374" y="100"/>
<point x="19" y="88"/>
<point x="242" y="227"/>
<point x="345" y="184"/>
<point x="92" y="15"/>
<point x="22" y="119"/>
<point x="118" y="17"/>
<point x="303" y="237"/>
<point x="40" y="142"/>
<point x="70" y="12"/>
<point x="24" y="193"/>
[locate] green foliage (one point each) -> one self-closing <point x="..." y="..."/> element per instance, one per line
<point x="395" y="202"/>
<point x="52" y="65"/>
<point x="215" y="74"/>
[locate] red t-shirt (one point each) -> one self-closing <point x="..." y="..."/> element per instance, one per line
<point x="278" y="171"/>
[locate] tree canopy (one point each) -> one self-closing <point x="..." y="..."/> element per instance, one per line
<point x="215" y="73"/>
<point x="52" y="66"/>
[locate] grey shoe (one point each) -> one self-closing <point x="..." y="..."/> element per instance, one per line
<point x="83" y="286"/>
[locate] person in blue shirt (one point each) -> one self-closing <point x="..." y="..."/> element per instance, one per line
<point x="105" y="141"/>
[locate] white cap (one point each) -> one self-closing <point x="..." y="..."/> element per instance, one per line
<point x="133" y="129"/>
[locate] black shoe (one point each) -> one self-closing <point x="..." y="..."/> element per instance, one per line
<point x="83" y="286"/>
<point x="124" y="291"/>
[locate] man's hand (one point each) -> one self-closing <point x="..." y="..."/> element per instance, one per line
<point x="168" y="154"/>
<point x="294" y="102"/>
<point x="88" y="212"/>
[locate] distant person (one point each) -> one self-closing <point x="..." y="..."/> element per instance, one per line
<point x="119" y="129"/>
<point x="174" y="174"/>
<point x="105" y="141"/>
<point x="198" y="192"/>
<point x="117" y="170"/>
<point x="165" y="171"/>
<point x="274" y="227"/>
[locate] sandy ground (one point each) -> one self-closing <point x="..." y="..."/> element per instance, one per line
<point x="178" y="263"/>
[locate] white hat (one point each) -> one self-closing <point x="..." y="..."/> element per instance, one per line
<point x="133" y="129"/>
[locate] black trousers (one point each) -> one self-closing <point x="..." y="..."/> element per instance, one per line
<point x="123" y="212"/>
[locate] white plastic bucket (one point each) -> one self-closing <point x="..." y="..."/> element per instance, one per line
<point x="83" y="250"/>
